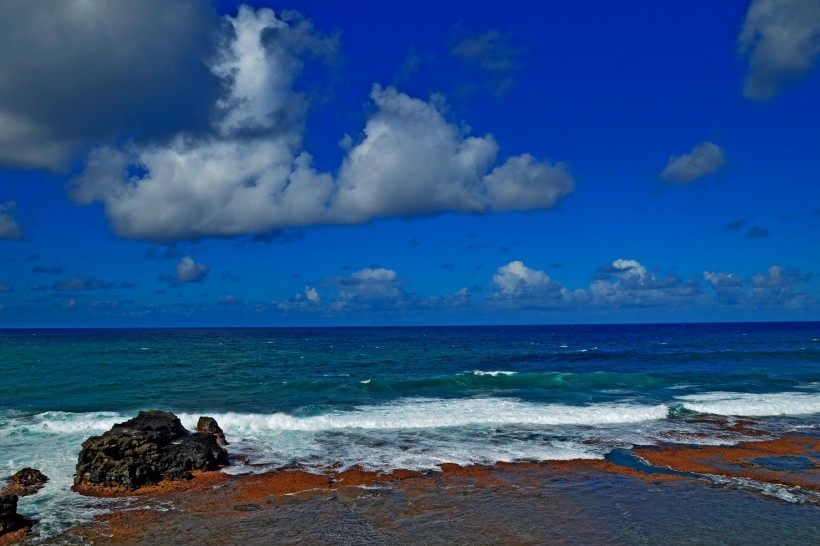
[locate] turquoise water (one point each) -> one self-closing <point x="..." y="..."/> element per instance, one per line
<point x="386" y="398"/>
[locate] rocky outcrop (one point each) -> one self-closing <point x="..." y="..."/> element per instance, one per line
<point x="25" y="482"/>
<point x="151" y="447"/>
<point x="10" y="520"/>
<point x="209" y="425"/>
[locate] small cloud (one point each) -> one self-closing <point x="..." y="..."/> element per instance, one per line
<point x="6" y="287"/>
<point x="493" y="54"/>
<point x="69" y="304"/>
<point x="781" y="39"/>
<point x="188" y="270"/>
<point x="104" y="304"/>
<point x="704" y="159"/>
<point x="375" y="283"/>
<point x="47" y="270"/>
<point x="736" y="225"/>
<point x="8" y="225"/>
<point x="230" y="299"/>
<point x="516" y="279"/>
<point x="757" y="232"/>
<point x="312" y="295"/>
<point x="723" y="280"/>
<point x="78" y="283"/>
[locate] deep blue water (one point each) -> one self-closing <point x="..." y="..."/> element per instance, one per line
<point x="403" y="397"/>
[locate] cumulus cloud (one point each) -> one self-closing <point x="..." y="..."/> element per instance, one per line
<point x="629" y="283"/>
<point x="368" y="284"/>
<point x="781" y="38"/>
<point x="727" y="286"/>
<point x="8" y="225"/>
<point x="249" y="174"/>
<point x="312" y="295"/>
<point x="622" y="283"/>
<point x="778" y="288"/>
<point x="79" y="70"/>
<point x="705" y="158"/>
<point x="188" y="270"/>
<point x="516" y="279"/>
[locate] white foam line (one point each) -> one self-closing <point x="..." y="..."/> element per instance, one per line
<point x="435" y="413"/>
<point x="753" y="405"/>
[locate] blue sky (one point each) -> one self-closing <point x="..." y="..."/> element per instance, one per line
<point x="329" y="163"/>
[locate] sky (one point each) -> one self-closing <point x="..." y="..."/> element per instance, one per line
<point x="325" y="163"/>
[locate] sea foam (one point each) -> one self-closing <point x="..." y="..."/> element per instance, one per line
<point x="753" y="404"/>
<point x="423" y="413"/>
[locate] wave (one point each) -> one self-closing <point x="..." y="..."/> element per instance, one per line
<point x="58" y="422"/>
<point x="437" y="413"/>
<point x="752" y="404"/>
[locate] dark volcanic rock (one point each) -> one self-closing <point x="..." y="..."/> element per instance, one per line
<point x="145" y="450"/>
<point x="199" y="451"/>
<point x="10" y="520"/>
<point x="25" y="482"/>
<point x="209" y="425"/>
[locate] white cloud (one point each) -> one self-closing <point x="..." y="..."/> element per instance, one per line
<point x="777" y="289"/>
<point x="782" y="40"/>
<point x="188" y="270"/>
<point x="369" y="284"/>
<point x="8" y="225"/>
<point x="312" y="295"/>
<point x="412" y="162"/>
<point x="629" y="283"/>
<point x="249" y="174"/>
<point x="705" y="158"/>
<point x="516" y="279"/>
<point x="723" y="280"/>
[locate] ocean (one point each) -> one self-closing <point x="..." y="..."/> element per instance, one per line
<point x="408" y="397"/>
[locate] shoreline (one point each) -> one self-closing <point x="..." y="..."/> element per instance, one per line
<point x="217" y="500"/>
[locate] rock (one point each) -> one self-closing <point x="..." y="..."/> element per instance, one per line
<point x="25" y="482"/>
<point x="151" y="447"/>
<point x="209" y="425"/>
<point x="10" y="520"/>
<point x="200" y="451"/>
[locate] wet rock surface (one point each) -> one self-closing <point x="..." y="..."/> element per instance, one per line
<point x="145" y="450"/>
<point x="210" y="426"/>
<point x="24" y="482"/>
<point x="10" y="520"/>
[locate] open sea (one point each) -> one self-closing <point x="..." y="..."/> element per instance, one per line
<point x="413" y="398"/>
